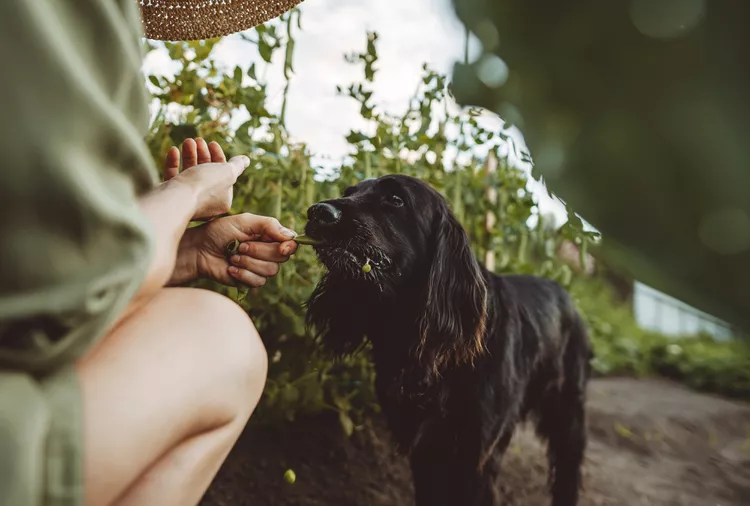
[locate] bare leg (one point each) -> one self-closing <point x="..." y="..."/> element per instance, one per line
<point x="166" y="395"/>
<point x="186" y="472"/>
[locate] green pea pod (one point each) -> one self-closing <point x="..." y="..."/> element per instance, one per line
<point x="302" y="167"/>
<point x="368" y="165"/>
<point x="232" y="247"/>
<point x="565" y="275"/>
<point x="458" y="196"/>
<point x="307" y="240"/>
<point x="523" y="246"/>
<point x="278" y="199"/>
<point x="582" y="253"/>
<point x="310" y="192"/>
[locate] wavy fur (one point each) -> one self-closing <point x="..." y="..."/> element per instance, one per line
<point x="461" y="355"/>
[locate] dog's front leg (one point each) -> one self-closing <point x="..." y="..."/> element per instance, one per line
<point x="446" y="468"/>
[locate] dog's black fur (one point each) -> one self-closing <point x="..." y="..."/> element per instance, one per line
<point x="461" y="355"/>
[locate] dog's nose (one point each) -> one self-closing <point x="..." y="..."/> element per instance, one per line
<point x="324" y="213"/>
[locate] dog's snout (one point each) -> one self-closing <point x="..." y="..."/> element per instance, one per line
<point x="324" y="213"/>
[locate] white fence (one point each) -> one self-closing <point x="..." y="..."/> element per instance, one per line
<point x="659" y="312"/>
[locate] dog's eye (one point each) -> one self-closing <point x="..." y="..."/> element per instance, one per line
<point x="395" y="200"/>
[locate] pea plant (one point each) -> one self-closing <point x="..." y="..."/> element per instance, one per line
<point x="433" y="140"/>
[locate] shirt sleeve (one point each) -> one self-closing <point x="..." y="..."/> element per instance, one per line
<point x="74" y="246"/>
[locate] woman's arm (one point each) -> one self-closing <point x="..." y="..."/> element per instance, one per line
<point x="169" y="209"/>
<point x="199" y="190"/>
<point x="201" y="250"/>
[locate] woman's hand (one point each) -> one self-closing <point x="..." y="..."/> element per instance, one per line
<point x="264" y="245"/>
<point x="264" y="242"/>
<point x="206" y="171"/>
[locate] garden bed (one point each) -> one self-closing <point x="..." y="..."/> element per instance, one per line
<point x="651" y="443"/>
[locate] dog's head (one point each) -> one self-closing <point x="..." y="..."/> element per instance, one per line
<point x="384" y="223"/>
<point x="396" y="237"/>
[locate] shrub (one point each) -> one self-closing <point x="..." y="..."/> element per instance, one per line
<point x="433" y="140"/>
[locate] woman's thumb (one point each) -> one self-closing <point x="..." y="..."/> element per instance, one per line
<point x="239" y="164"/>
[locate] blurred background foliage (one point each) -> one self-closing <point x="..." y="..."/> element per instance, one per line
<point x="637" y="112"/>
<point x="433" y="140"/>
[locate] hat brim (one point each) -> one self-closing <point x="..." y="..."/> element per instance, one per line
<point x="179" y="20"/>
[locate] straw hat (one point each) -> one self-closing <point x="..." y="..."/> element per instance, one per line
<point x="205" y="19"/>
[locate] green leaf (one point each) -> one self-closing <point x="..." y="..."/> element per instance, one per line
<point x="288" y="62"/>
<point x="369" y="73"/>
<point x="203" y="48"/>
<point x="355" y="137"/>
<point x="176" y="50"/>
<point x="179" y="133"/>
<point x="265" y="50"/>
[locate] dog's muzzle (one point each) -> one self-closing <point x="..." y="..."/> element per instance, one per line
<point x="342" y="248"/>
<point x="323" y="214"/>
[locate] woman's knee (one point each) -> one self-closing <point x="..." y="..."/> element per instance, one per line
<point x="235" y="351"/>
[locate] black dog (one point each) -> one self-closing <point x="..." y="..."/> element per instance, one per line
<point x="461" y="355"/>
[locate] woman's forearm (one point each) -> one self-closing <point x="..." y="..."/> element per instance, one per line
<point x="169" y="208"/>
<point x="204" y="190"/>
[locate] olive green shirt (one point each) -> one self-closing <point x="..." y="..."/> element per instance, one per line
<point x="74" y="247"/>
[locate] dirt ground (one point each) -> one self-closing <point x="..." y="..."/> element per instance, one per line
<point x="652" y="443"/>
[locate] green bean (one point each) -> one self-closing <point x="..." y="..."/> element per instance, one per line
<point x="307" y="240"/>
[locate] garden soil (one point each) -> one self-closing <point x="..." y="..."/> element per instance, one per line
<point x="651" y="443"/>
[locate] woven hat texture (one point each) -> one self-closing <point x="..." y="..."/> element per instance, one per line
<point x="174" y="20"/>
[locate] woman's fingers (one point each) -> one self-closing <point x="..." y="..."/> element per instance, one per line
<point x="204" y="154"/>
<point x="249" y="278"/>
<point x="194" y="152"/>
<point x="265" y="226"/>
<point x="217" y="154"/>
<point x="172" y="163"/>
<point x="197" y="152"/>
<point x="266" y="251"/>
<point x="238" y="164"/>
<point x="189" y="154"/>
<point x="287" y="248"/>
<point x="256" y="266"/>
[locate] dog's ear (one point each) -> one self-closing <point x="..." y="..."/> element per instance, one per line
<point x="454" y="317"/>
<point x="337" y="320"/>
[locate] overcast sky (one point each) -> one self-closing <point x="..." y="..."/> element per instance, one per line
<point x="411" y="32"/>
